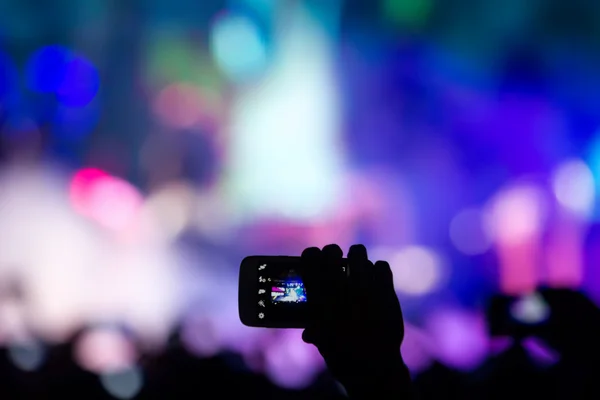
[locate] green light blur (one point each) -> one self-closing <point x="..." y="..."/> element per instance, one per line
<point x="407" y="13"/>
<point x="172" y="57"/>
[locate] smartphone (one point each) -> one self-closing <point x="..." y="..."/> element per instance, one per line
<point x="271" y="292"/>
<point x="517" y="315"/>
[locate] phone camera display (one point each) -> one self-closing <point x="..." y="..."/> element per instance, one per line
<point x="287" y="287"/>
<point x="281" y="292"/>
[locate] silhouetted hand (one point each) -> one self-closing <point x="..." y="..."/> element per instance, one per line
<point x="573" y="327"/>
<point x="356" y="321"/>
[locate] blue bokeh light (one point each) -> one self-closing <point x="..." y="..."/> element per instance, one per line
<point x="47" y="68"/>
<point x="55" y="69"/>
<point x="80" y="84"/>
<point x="73" y="124"/>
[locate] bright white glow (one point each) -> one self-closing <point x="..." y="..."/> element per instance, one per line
<point x="238" y="47"/>
<point x="170" y="210"/>
<point x="285" y="159"/>
<point x="73" y="273"/>
<point x="516" y="214"/>
<point x="48" y="248"/>
<point x="573" y="184"/>
<point x="417" y="270"/>
<point x="125" y="384"/>
<point x="468" y="234"/>
<point x="27" y="356"/>
<point x="531" y="309"/>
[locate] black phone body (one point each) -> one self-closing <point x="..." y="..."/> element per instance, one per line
<point x="271" y="292"/>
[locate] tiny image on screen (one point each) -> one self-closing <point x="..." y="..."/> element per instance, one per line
<point x="287" y="287"/>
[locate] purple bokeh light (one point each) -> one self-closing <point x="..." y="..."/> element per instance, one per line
<point x="458" y="338"/>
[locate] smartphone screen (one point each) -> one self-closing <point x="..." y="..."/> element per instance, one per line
<point x="517" y="315"/>
<point x="287" y="287"/>
<point x="272" y="293"/>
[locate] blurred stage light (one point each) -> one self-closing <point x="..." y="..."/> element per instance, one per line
<point x="238" y="47"/>
<point x="540" y="352"/>
<point x="55" y="69"/>
<point x="284" y="158"/>
<point x="9" y="79"/>
<point x="574" y="187"/>
<point x="80" y="84"/>
<point x="415" y="350"/>
<point x="531" y="309"/>
<point x="171" y="209"/>
<point x="515" y="218"/>
<point x="468" y="234"/>
<point x="179" y="105"/>
<point x="264" y="8"/>
<point x="48" y="249"/>
<point x="516" y="214"/>
<point x="417" y="270"/>
<point x="291" y="363"/>
<point x="198" y="333"/>
<point x="458" y="338"/>
<point x="407" y="13"/>
<point x="75" y="123"/>
<point x="28" y="355"/>
<point x="47" y="68"/>
<point x="104" y="350"/>
<point x="110" y="201"/>
<point x="123" y="384"/>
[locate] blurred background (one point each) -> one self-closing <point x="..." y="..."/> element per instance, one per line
<point x="146" y="147"/>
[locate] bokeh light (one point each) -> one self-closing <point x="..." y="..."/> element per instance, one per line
<point x="81" y="83"/>
<point x="574" y="187"/>
<point x="27" y="356"/>
<point x="238" y="47"/>
<point x="284" y="160"/>
<point x="56" y="69"/>
<point x="458" y="338"/>
<point x="417" y="270"/>
<point x="123" y="384"/>
<point x="540" y="352"/>
<point x="517" y="214"/>
<point x="530" y="309"/>
<point x="47" y="68"/>
<point x="74" y="123"/>
<point x="105" y="350"/>
<point x="171" y="208"/>
<point x="416" y="351"/>
<point x="112" y="202"/>
<point x="179" y="105"/>
<point x="407" y="13"/>
<point x="468" y="233"/>
<point x="291" y="363"/>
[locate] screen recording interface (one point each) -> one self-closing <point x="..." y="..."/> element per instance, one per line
<point x="279" y="287"/>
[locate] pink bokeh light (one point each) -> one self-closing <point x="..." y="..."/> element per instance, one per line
<point x="110" y="201"/>
<point x="179" y="105"/>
